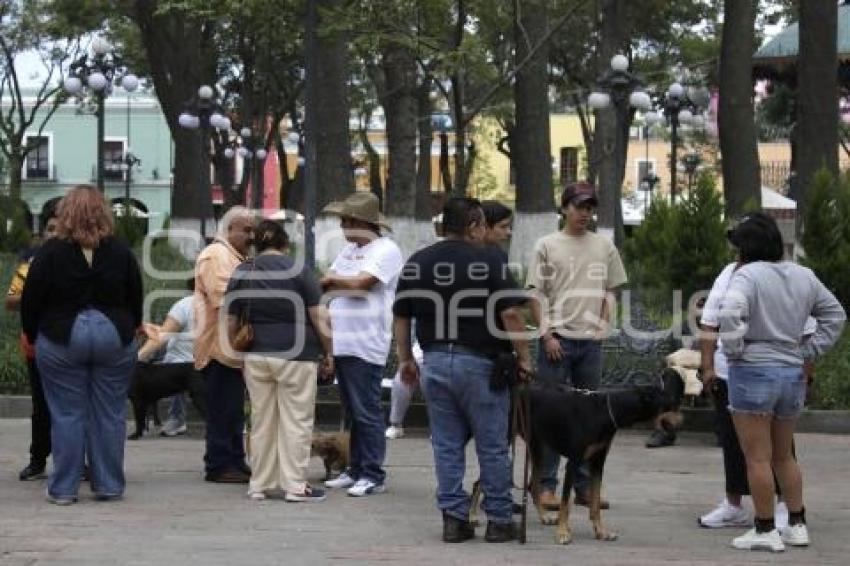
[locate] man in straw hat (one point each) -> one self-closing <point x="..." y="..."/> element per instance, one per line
<point x="362" y="281"/>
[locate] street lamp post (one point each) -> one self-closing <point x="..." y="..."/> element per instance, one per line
<point x="681" y="107"/>
<point x="203" y="112"/>
<point x="127" y="163"/>
<point x="96" y="72"/>
<point x="691" y="161"/>
<point x="622" y="89"/>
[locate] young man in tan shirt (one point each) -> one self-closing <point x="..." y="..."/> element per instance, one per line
<point x="573" y="273"/>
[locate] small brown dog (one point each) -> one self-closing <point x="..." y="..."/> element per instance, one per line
<point x="332" y="448"/>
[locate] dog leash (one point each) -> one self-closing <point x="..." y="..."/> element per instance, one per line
<point x="610" y="411"/>
<point x="523" y="411"/>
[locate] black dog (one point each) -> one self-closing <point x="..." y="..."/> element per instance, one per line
<point x="581" y="426"/>
<point x="152" y="382"/>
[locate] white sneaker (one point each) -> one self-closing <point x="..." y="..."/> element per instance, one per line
<point x="342" y="480"/>
<point x="365" y="487"/>
<point x="796" y="535"/>
<point x="172" y="428"/>
<point x="751" y="540"/>
<point x="394" y="432"/>
<point x="780" y="516"/>
<point x="726" y="515"/>
<point x="256" y="495"/>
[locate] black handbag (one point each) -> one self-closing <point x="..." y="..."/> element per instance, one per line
<point x="505" y="372"/>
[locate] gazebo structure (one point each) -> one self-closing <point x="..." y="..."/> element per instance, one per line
<point x="777" y="59"/>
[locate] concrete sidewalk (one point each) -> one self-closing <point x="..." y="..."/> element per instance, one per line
<point x="170" y="516"/>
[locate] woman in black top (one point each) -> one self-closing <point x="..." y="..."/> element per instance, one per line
<point x="281" y="300"/>
<point x="81" y="306"/>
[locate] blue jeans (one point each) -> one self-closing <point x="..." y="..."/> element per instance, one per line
<point x="360" y="389"/>
<point x="461" y="406"/>
<point x="85" y="383"/>
<point x="177" y="408"/>
<point x="581" y="368"/>
<point x="225" y="399"/>
<point x="779" y="391"/>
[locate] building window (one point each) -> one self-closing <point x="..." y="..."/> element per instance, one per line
<point x="38" y="159"/>
<point x="644" y="168"/>
<point x="113" y="158"/>
<point x="569" y="165"/>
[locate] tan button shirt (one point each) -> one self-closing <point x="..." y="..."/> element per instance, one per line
<point x="213" y="270"/>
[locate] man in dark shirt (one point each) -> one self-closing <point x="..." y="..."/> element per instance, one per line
<point x="457" y="290"/>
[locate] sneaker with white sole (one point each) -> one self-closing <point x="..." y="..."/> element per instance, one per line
<point x="394" y="432"/>
<point x="726" y="515"/>
<point x="341" y="481"/>
<point x="365" y="487"/>
<point x="172" y="428"/>
<point x="309" y="495"/>
<point x="796" y="535"/>
<point x="780" y="516"/>
<point x="752" y="540"/>
<point x="256" y="495"/>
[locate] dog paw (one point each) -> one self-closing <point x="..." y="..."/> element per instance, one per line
<point x="549" y="519"/>
<point x="607" y="536"/>
<point x="134" y="436"/>
<point x="564" y="538"/>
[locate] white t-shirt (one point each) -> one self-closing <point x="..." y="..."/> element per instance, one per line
<point x="710" y="312"/>
<point x="179" y="349"/>
<point x="362" y="322"/>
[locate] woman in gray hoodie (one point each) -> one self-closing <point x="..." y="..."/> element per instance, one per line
<point x="761" y="321"/>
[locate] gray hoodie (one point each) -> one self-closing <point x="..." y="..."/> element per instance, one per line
<point x="764" y="311"/>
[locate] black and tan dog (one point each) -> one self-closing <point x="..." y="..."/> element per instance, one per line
<point x="152" y="382"/>
<point x="581" y="425"/>
<point x="332" y="448"/>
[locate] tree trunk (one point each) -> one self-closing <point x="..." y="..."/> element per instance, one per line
<point x="817" y="98"/>
<point x="611" y="129"/>
<point x="335" y="179"/>
<point x="179" y="52"/>
<point x="426" y="137"/>
<point x="736" y="116"/>
<point x="531" y="152"/>
<point x="374" y="166"/>
<point x="14" y="164"/>
<point x="399" y="105"/>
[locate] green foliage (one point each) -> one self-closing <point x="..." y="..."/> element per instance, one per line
<point x="681" y="247"/>
<point x="129" y="228"/>
<point x="826" y="236"/>
<point x="14" y="232"/>
<point x="832" y="388"/>
<point x="13" y="370"/>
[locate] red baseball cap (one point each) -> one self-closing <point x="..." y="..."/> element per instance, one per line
<point x="579" y="193"/>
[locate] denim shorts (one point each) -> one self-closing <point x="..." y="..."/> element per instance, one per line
<point x="779" y="391"/>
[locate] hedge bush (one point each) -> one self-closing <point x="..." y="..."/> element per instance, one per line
<point x="681" y="247"/>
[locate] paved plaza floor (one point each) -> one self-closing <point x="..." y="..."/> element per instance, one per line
<point x="170" y="516"/>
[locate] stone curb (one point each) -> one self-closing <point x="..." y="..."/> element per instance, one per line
<point x="328" y="414"/>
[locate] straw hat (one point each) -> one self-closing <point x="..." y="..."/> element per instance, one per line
<point x="361" y="206"/>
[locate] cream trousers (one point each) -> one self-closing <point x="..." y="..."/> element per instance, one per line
<point x="283" y="404"/>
